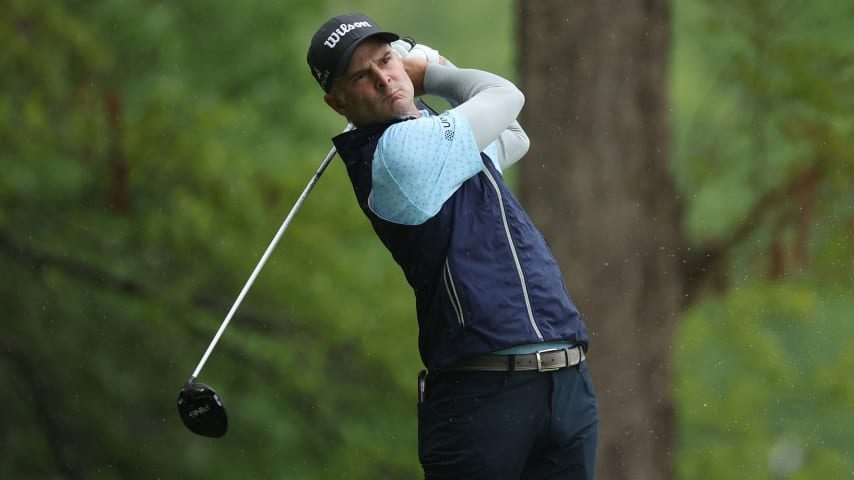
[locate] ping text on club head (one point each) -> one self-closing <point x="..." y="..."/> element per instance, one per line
<point x="199" y="411"/>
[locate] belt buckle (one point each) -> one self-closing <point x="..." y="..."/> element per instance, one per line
<point x="540" y="367"/>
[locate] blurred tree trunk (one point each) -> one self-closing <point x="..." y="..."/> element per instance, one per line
<point x="596" y="181"/>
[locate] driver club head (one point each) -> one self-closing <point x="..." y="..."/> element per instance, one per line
<point x="202" y="410"/>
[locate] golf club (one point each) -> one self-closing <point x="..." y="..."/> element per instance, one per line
<point x="200" y="407"/>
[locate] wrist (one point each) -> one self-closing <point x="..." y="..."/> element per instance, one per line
<point x="416" y="70"/>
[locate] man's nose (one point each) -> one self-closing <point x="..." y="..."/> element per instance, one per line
<point x="381" y="77"/>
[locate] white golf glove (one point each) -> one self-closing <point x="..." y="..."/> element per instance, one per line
<point x="423" y="52"/>
<point x="407" y="48"/>
<point x="402" y="46"/>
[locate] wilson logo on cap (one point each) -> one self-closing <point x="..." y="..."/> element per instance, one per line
<point x="342" y="30"/>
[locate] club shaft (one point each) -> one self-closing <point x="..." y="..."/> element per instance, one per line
<point x="270" y="248"/>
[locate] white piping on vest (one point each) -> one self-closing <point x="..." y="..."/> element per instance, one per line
<point x="515" y="255"/>
<point x="452" y="294"/>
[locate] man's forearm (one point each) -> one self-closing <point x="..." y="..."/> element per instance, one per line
<point x="489" y="102"/>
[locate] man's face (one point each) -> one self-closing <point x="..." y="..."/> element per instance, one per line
<point x="375" y="88"/>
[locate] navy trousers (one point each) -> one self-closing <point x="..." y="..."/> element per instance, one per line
<point x="509" y="425"/>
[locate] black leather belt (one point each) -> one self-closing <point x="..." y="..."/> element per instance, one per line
<point x="542" y="361"/>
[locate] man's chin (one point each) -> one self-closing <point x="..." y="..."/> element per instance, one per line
<point x="403" y="108"/>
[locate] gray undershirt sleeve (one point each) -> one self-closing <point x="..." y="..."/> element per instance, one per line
<point x="489" y="103"/>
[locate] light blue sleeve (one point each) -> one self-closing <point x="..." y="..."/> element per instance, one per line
<point x="419" y="164"/>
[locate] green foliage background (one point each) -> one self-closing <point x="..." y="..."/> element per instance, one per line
<point x="764" y="158"/>
<point x="150" y="150"/>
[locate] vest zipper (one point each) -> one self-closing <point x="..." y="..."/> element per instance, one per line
<point x="515" y="255"/>
<point x="452" y="293"/>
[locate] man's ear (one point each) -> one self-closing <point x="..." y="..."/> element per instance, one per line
<point x="336" y="105"/>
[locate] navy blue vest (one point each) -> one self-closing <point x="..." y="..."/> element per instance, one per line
<point x="484" y="278"/>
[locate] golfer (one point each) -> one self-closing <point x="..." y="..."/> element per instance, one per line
<point x="506" y="393"/>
